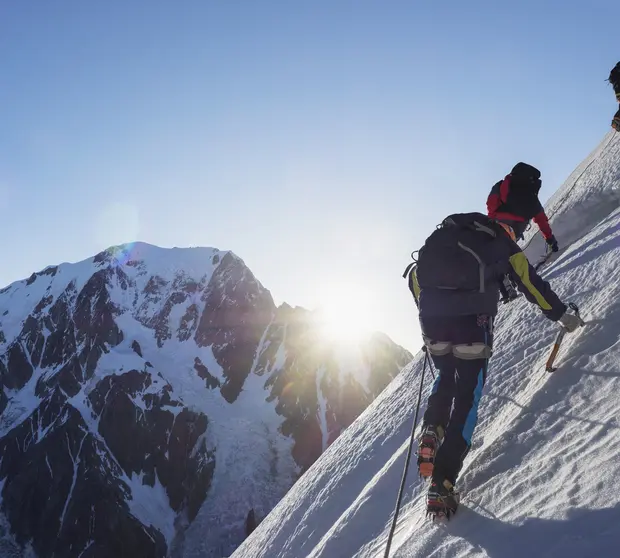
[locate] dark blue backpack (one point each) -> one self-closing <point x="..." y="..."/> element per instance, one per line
<point x="454" y="256"/>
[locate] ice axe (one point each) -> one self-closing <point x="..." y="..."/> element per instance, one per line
<point x="558" y="340"/>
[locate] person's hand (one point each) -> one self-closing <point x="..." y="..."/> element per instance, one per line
<point x="553" y="243"/>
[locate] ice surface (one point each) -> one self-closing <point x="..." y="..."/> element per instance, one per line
<point x="541" y="477"/>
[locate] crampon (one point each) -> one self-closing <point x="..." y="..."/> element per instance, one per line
<point x="442" y="501"/>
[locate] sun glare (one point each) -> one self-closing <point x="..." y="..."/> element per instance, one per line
<point x="345" y="314"/>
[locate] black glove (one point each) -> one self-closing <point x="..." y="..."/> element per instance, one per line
<point x="553" y="243"/>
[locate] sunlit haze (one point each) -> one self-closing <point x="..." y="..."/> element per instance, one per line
<point x="320" y="141"/>
<point x="347" y="312"/>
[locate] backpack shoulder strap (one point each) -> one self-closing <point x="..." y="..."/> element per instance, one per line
<point x="412" y="280"/>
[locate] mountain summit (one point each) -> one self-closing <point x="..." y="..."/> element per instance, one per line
<point x="152" y="400"/>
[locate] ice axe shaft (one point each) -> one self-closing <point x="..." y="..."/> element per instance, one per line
<point x="558" y="340"/>
<point x="555" y="350"/>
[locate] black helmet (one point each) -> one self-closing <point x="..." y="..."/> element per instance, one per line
<point x="526" y="177"/>
<point x="526" y="171"/>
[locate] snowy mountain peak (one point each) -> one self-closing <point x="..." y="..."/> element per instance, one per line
<point x="165" y="262"/>
<point x="158" y="394"/>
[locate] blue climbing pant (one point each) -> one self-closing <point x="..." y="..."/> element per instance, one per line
<point x="460" y="347"/>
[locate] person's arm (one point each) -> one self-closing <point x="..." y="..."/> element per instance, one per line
<point x="543" y="224"/>
<point x="545" y="229"/>
<point x="535" y="289"/>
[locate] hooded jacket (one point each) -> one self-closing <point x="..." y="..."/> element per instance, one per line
<point x="514" y="200"/>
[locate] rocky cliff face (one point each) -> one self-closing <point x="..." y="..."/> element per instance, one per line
<point x="151" y="398"/>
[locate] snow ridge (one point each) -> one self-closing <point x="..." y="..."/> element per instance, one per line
<point x="167" y="383"/>
<point x="541" y="476"/>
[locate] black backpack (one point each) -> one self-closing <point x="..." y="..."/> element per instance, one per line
<point x="523" y="186"/>
<point x="453" y="257"/>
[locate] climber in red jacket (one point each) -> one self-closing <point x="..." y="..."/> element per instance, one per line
<point x="514" y="201"/>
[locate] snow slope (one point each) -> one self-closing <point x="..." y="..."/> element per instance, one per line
<point x="541" y="478"/>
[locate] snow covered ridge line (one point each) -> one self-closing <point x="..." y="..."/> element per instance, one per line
<point x="590" y="194"/>
<point x="541" y="475"/>
<point x="149" y="397"/>
<point x="194" y="266"/>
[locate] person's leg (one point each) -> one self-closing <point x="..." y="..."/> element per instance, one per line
<point x="471" y="349"/>
<point x="471" y="375"/>
<point x="442" y="393"/>
<point x="436" y="334"/>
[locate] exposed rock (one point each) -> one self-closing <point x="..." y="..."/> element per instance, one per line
<point x="153" y="441"/>
<point x="160" y="322"/>
<point x="211" y="381"/>
<point x="136" y="347"/>
<point x="61" y="343"/>
<point x="236" y="313"/>
<point x="189" y="322"/>
<point x="19" y="369"/>
<point x="69" y="379"/>
<point x="155" y="285"/>
<point x="3" y="398"/>
<point x="108" y="454"/>
<point x="62" y="493"/>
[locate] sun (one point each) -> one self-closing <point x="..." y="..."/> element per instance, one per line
<point x="346" y="313"/>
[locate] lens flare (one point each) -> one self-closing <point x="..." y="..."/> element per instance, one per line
<point x="346" y="313"/>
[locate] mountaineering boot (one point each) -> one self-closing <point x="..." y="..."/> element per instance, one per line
<point x="442" y="500"/>
<point x="508" y="291"/>
<point x="429" y="442"/>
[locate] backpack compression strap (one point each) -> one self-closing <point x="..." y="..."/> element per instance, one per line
<point x="412" y="280"/>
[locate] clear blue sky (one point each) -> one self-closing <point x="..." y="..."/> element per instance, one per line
<point x="320" y="141"/>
